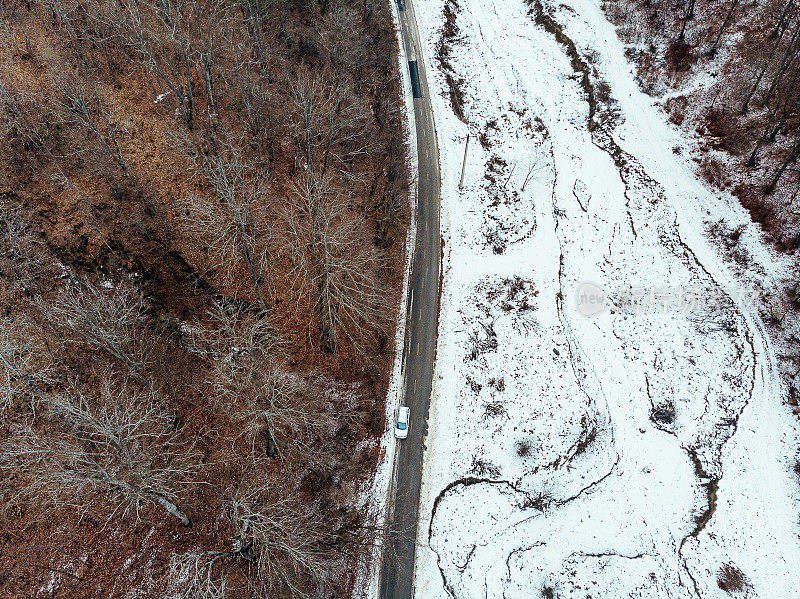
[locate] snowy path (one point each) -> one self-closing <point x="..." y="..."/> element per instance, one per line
<point x="633" y="453"/>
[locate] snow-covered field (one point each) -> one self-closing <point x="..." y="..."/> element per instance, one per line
<point x="643" y="451"/>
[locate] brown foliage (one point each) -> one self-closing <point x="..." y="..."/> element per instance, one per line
<point x="154" y="162"/>
<point x="679" y="55"/>
<point x="751" y="109"/>
<point x="448" y="37"/>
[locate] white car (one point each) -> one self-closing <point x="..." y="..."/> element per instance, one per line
<point x="403" y="422"/>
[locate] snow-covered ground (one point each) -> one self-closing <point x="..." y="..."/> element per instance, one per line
<point x="643" y="451"/>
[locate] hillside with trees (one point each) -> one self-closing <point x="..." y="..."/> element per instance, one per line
<point x="203" y="212"/>
<point x="729" y="71"/>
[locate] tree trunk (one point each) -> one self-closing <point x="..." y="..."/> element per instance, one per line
<point x="322" y="277"/>
<point x="786" y="62"/>
<point x="158" y="498"/>
<point x="782" y="20"/>
<point x="724" y="26"/>
<point x="247" y="254"/>
<point x="686" y="18"/>
<point x="790" y="157"/>
<point x="189" y="93"/>
<point x="171" y="508"/>
<point x="208" y="76"/>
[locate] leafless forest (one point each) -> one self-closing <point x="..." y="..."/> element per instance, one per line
<point x="203" y="210"/>
<point x="746" y="55"/>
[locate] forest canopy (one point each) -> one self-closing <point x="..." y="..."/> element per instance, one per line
<point x="203" y="213"/>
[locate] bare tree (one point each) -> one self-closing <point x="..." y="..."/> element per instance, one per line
<point x="290" y="542"/>
<point x="80" y="104"/>
<point x="26" y="368"/>
<point x="334" y="262"/>
<point x="156" y="33"/>
<point x="791" y="156"/>
<point x="26" y="122"/>
<point x="22" y="254"/>
<point x="8" y="14"/>
<point x="273" y="403"/>
<point x="110" y="320"/>
<point x="767" y="63"/>
<point x="341" y="36"/>
<point x="334" y="259"/>
<point x="734" y="5"/>
<point x="252" y="385"/>
<point x="118" y="445"/>
<point x="12" y="118"/>
<point x="782" y="21"/>
<point x="688" y="15"/>
<point x="536" y="164"/>
<point x="390" y="202"/>
<point x="257" y="104"/>
<point x="208" y="20"/>
<point x="65" y="13"/>
<point x="233" y="222"/>
<point x="193" y="575"/>
<point x="330" y="125"/>
<point x="291" y="545"/>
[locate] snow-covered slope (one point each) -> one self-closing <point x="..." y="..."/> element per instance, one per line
<point x="643" y="451"/>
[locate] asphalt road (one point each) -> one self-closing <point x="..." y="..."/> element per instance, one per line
<point x="419" y="350"/>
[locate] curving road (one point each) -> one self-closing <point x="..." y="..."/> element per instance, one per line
<point x="419" y="349"/>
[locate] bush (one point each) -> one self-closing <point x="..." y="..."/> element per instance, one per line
<point x="523" y="448"/>
<point x="731" y="579"/>
<point x="494" y="409"/>
<point x="484" y="468"/>
<point x="448" y="36"/>
<point x="499" y="384"/>
<point x="664" y="413"/>
<point x="713" y="172"/>
<point x="590" y="431"/>
<point x="680" y="56"/>
<point x="725" y="130"/>
<point x="676" y="107"/>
